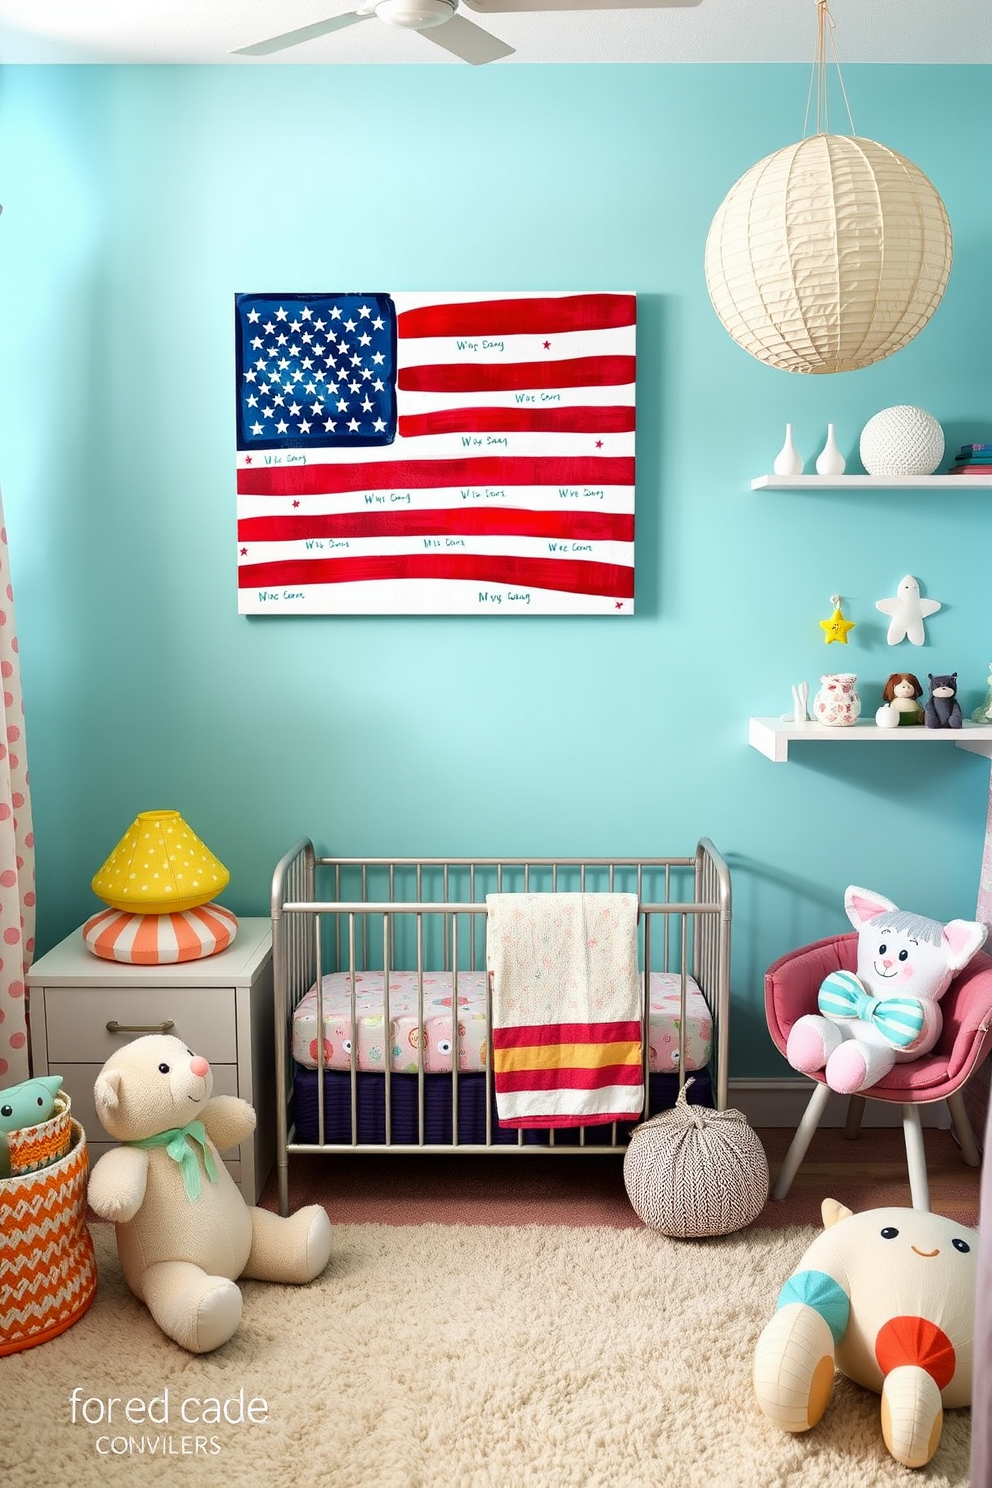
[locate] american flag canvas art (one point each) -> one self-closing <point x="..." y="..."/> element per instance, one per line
<point x="435" y="453"/>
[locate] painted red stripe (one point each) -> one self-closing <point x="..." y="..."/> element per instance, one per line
<point x="510" y="317"/>
<point x="545" y="1123"/>
<point x="408" y="475"/>
<point x="587" y="420"/>
<point x="505" y="377"/>
<point x="529" y="1034"/>
<point x="564" y="574"/>
<point x="586" y="526"/>
<point x="570" y="1078"/>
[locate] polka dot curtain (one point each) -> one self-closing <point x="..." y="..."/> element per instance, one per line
<point x="17" y="892"/>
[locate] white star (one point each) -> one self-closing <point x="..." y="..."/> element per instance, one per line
<point x="378" y="358"/>
<point x="304" y="427"/>
<point x="294" y="325"/>
<point x="256" y="343"/>
<point x="260" y="364"/>
<point x="365" y="339"/>
<point x="378" y="426"/>
<point x="294" y="408"/>
<point x="335" y="313"/>
<point x="294" y="350"/>
<point x="364" y="311"/>
<point x="317" y="408"/>
<point x="354" y="387"/>
<point x="342" y="406"/>
<point x="356" y="361"/>
<point x="350" y="325"/>
<point x="281" y="340"/>
<point x="253" y="316"/>
<point x="256" y="428"/>
<point x="329" y="426"/>
<point x="267" y="412"/>
<point x="367" y="406"/>
<point x="281" y="426"/>
<point x="353" y="426"/>
<point x="377" y="324"/>
<point x="908" y="612"/>
<point x="249" y="376"/>
<point x="378" y="385"/>
<point x="268" y="328"/>
<point x="280" y="314"/>
<point x="253" y="401"/>
<point x="318" y="325"/>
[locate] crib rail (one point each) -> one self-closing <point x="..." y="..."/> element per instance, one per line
<point x="426" y="914"/>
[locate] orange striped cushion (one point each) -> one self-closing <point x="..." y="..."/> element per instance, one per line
<point x="160" y="940"/>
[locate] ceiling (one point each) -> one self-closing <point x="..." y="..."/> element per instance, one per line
<point x="208" y="31"/>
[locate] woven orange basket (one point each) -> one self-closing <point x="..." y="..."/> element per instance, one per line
<point x="47" y="1265"/>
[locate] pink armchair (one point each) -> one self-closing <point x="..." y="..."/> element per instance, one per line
<point x="791" y="986"/>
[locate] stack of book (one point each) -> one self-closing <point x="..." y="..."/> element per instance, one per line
<point x="973" y="459"/>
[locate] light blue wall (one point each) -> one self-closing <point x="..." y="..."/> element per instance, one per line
<point x="138" y="200"/>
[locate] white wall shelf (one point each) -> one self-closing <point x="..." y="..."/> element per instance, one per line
<point x="773" y="736"/>
<point x="877" y="482"/>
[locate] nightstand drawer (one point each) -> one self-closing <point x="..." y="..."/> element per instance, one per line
<point x="76" y="1020"/>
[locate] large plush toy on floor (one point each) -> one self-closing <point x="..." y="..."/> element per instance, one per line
<point x="184" y="1233"/>
<point x="888" y="1298"/>
<point x="889" y="1013"/>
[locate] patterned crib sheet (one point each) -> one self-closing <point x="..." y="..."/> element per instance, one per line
<point x="404" y="1031"/>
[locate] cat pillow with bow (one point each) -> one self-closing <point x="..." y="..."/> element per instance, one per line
<point x="889" y="1012"/>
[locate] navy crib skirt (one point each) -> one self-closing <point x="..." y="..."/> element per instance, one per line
<point x="371" y="1110"/>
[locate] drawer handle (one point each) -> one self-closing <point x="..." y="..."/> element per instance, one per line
<point x="114" y="1027"/>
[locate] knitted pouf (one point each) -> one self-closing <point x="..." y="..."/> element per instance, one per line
<point x="692" y="1171"/>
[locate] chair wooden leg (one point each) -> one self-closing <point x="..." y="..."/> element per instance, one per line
<point x="800" y="1142"/>
<point x="855" y="1111"/>
<point x="919" y="1186"/>
<point x="963" y="1128"/>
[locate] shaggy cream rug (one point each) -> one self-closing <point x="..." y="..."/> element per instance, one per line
<point x="440" y="1356"/>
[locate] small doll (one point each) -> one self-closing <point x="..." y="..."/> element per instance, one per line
<point x="901" y="706"/>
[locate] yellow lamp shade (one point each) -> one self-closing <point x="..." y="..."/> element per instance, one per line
<point x="159" y="867"/>
<point x="829" y="255"/>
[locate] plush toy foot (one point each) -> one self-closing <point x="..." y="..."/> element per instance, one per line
<point x="289" y="1250"/>
<point x="912" y="1415"/>
<point x="197" y="1311"/>
<point x="811" y="1041"/>
<point x="794" y="1367"/>
<point x="855" y="1066"/>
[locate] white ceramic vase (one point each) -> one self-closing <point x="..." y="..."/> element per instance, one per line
<point x="830" y="461"/>
<point x="788" y="461"/>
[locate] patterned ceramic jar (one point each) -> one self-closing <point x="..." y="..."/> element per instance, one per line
<point x="837" y="703"/>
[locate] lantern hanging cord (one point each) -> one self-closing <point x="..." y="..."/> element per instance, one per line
<point x="818" y="74"/>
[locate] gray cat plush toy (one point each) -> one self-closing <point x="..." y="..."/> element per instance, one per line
<point x="943" y="709"/>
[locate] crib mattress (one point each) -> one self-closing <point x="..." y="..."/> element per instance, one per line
<point x="404" y="1024"/>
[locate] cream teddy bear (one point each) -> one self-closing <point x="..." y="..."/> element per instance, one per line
<point x="184" y="1232"/>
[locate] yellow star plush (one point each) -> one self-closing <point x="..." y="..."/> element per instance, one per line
<point x="836" y="628"/>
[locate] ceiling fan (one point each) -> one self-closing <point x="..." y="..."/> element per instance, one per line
<point x="442" y="23"/>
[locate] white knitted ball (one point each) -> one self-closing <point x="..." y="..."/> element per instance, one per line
<point x="692" y="1172"/>
<point x="902" y="441"/>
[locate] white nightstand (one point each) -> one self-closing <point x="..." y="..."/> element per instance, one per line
<point x="82" y="1008"/>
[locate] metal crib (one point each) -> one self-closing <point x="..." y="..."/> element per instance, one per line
<point x="423" y="914"/>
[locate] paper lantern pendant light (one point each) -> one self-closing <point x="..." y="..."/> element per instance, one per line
<point x="828" y="255"/>
<point x="159" y="867"/>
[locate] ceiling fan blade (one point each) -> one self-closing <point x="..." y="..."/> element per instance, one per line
<point x="468" y="41"/>
<point x="305" y="33"/>
<point x="494" y="7"/>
